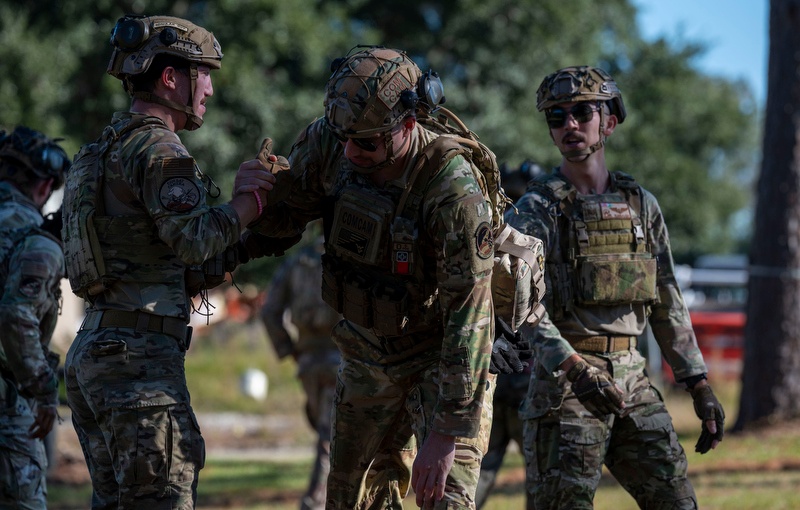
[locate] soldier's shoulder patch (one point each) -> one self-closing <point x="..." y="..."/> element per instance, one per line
<point x="484" y="241"/>
<point x="179" y="194"/>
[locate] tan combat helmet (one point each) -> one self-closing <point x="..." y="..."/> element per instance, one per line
<point x="582" y="83"/>
<point x="579" y="84"/>
<point x="137" y="40"/>
<point x="27" y="154"/>
<point x="370" y="92"/>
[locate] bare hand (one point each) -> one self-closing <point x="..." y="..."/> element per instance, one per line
<point x="252" y="176"/>
<point x="43" y="423"/>
<point x="431" y="467"/>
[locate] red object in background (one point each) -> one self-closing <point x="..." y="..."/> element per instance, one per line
<point x="720" y="336"/>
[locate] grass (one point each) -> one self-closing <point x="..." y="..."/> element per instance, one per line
<point x="748" y="471"/>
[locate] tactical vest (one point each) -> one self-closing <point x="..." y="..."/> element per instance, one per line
<point x="396" y="298"/>
<point x="362" y="277"/>
<point x="601" y="254"/>
<point x="98" y="247"/>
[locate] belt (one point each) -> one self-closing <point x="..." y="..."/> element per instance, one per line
<point x="602" y="343"/>
<point x="140" y="321"/>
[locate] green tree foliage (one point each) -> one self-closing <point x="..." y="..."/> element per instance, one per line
<point x="690" y="138"/>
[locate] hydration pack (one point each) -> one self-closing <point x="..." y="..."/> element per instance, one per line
<point x="518" y="286"/>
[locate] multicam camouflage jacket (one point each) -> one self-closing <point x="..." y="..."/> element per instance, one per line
<point x="31" y="273"/>
<point x="449" y="284"/>
<point x="562" y="220"/>
<point x="154" y="222"/>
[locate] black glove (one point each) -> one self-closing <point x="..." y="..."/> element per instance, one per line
<point x="595" y="389"/>
<point x="509" y="350"/>
<point x="707" y="407"/>
<point x="253" y="245"/>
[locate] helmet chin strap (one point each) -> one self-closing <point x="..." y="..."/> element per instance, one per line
<point x="193" y="121"/>
<point x="579" y="155"/>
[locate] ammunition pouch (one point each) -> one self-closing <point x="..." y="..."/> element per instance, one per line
<point x="607" y="281"/>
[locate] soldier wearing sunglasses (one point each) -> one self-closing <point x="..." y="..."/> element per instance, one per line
<point x="609" y="271"/>
<point x="415" y="295"/>
<point x="31" y="268"/>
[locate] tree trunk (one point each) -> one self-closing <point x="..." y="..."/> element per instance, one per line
<point x="771" y="375"/>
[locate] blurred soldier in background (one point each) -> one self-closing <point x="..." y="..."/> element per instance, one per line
<point x="511" y="388"/>
<point x="299" y="324"/>
<point x="609" y="272"/>
<point x="32" y="166"/>
<point x="141" y="241"/>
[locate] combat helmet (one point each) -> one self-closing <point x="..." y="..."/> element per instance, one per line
<point x="27" y="154"/>
<point x="580" y="83"/>
<point x="370" y="91"/>
<point x="137" y="40"/>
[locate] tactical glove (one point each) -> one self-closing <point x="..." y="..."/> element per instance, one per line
<point x="274" y="164"/>
<point x="509" y="350"/>
<point x="595" y="389"/>
<point x="253" y="245"/>
<point x="707" y="407"/>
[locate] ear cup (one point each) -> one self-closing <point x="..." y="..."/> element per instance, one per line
<point x="409" y="99"/>
<point x="431" y="89"/>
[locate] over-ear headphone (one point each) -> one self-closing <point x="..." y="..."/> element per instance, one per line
<point x="431" y="89"/>
<point x="131" y="32"/>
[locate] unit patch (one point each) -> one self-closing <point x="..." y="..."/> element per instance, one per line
<point x="179" y="194"/>
<point x="484" y="241"/>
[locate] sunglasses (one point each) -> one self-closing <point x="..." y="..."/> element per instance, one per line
<point x="581" y="112"/>
<point x="365" y="144"/>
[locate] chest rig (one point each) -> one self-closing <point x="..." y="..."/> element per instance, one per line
<point x="601" y="254"/>
<point x="372" y="267"/>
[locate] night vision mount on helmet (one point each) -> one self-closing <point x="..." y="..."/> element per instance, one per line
<point x="138" y="40"/>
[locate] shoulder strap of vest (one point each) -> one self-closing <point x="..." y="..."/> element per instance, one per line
<point x="110" y="135"/>
<point x="432" y="158"/>
<point x="633" y="191"/>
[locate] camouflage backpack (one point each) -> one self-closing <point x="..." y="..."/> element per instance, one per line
<point x="518" y="275"/>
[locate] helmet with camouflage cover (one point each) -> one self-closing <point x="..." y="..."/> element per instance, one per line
<point x="370" y="92"/>
<point x="138" y="40"/>
<point x="580" y="83"/>
<point x="27" y="155"/>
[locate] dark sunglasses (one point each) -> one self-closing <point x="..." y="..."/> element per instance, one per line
<point x="581" y="112"/>
<point x="365" y="144"/>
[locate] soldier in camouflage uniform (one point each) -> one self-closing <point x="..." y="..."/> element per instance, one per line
<point x="511" y="388"/>
<point x="417" y="335"/>
<point x="295" y="288"/>
<point x="609" y="270"/>
<point x="31" y="269"/>
<point x="136" y="231"/>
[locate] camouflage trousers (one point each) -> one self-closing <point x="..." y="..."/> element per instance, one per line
<point x="506" y="427"/>
<point x="23" y="462"/>
<point x="566" y="447"/>
<point x="318" y="376"/>
<point x="377" y="408"/>
<point x="130" y="408"/>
